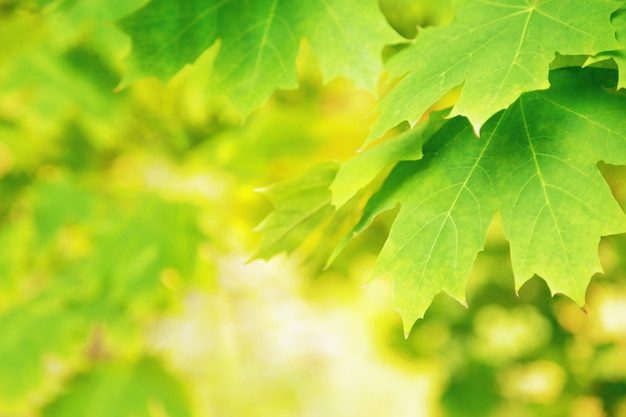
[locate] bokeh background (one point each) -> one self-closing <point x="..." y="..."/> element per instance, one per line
<point x="128" y="286"/>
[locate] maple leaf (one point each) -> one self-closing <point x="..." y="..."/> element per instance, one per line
<point x="301" y="205"/>
<point x="259" y="42"/>
<point x="305" y="203"/>
<point x="536" y="163"/>
<point x="497" y="49"/>
<point x="361" y="170"/>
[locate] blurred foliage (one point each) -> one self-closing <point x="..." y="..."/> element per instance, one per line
<point x="126" y="222"/>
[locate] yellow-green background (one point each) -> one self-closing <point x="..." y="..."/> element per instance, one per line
<point x="126" y="232"/>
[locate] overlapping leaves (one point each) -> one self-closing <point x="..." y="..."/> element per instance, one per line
<point x="305" y="203"/>
<point x="497" y="50"/>
<point x="535" y="161"/>
<point x="536" y="164"/>
<point x="259" y="42"/>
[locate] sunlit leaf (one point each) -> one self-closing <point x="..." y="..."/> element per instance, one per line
<point x="300" y="206"/>
<point x="536" y="163"/>
<point x="359" y="171"/>
<point x="259" y="42"/>
<point x="497" y="50"/>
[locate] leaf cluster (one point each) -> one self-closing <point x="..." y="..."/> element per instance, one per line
<point x="115" y="206"/>
<point x="541" y="129"/>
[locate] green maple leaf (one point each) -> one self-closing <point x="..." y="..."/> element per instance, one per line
<point x="536" y="163"/>
<point x="358" y="172"/>
<point x="498" y="50"/>
<point x="301" y="205"/>
<point x="259" y="42"/>
<point x="305" y="203"/>
<point x="619" y="56"/>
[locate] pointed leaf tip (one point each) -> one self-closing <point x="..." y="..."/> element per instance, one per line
<point x="533" y="168"/>
<point x="521" y="39"/>
<point x="301" y="205"/>
<point x="359" y="171"/>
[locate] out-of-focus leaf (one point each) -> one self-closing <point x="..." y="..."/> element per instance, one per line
<point x="144" y="389"/>
<point x="134" y="242"/>
<point x="139" y="254"/>
<point x="300" y="206"/>
<point x="35" y="339"/>
<point x="88" y="257"/>
<point x="58" y="203"/>
<point x="43" y="90"/>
